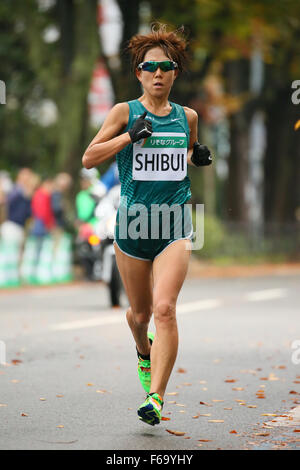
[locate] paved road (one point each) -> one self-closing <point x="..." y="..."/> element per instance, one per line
<point x="70" y="381"/>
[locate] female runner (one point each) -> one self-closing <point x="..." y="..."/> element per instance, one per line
<point x="153" y="140"/>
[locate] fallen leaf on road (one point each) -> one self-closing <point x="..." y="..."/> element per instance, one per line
<point x="179" y="404"/>
<point x="261" y="433"/>
<point x="16" y="361"/>
<point x="217" y="401"/>
<point x="3" y="404"/>
<point x="101" y="391"/>
<point x="216" y="420"/>
<point x="238" y="389"/>
<point x="59" y="396"/>
<point x="180" y="370"/>
<point x="172" y="393"/>
<point x="268" y="414"/>
<point x="195" y="417"/>
<point x="24" y="414"/>
<point x="272" y="377"/>
<point x="248" y="371"/>
<point x="164" y="418"/>
<point x="251" y="406"/>
<point x="205" y="414"/>
<point x="233" y="432"/>
<point x="203" y="403"/>
<point x="229" y="381"/>
<point x="175" y="433"/>
<point x="42" y="399"/>
<point x="227" y="408"/>
<point x="204" y="440"/>
<point x="296" y="430"/>
<point x="89" y="385"/>
<point x="60" y="426"/>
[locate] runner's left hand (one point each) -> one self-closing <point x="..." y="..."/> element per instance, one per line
<point x="201" y="155"/>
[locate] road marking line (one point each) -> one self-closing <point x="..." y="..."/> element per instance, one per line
<point x="99" y="321"/>
<point x="266" y="294"/>
<point x="198" y="305"/>
<point x="113" y="318"/>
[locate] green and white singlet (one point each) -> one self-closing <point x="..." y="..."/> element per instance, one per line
<point x="153" y="175"/>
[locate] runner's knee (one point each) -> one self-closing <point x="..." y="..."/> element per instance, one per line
<point x="142" y="318"/>
<point x="165" y="312"/>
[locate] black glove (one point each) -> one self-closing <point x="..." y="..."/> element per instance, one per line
<point x="201" y="155"/>
<point x="140" y="129"/>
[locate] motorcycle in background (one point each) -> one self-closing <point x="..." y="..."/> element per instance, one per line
<point x="95" y="245"/>
<point x="106" y="212"/>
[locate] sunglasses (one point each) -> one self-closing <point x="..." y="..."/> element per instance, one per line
<point x="152" y="65"/>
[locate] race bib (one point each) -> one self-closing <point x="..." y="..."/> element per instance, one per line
<point x="161" y="157"/>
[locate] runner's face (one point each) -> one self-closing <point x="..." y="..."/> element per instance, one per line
<point x="156" y="83"/>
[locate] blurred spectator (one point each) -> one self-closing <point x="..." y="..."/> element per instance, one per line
<point x="111" y="176"/>
<point x="6" y="186"/>
<point x="85" y="199"/>
<point x="42" y="212"/>
<point x="18" y="206"/>
<point x="62" y="185"/>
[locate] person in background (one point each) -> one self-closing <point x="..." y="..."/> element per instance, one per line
<point x="111" y="176"/>
<point x="85" y="201"/>
<point x="6" y="186"/>
<point x="62" y="185"/>
<point x="42" y="212"/>
<point x="18" y="207"/>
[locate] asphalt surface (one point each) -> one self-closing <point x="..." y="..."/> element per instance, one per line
<point x="68" y="376"/>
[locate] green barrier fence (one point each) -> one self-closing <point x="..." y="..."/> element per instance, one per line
<point x="41" y="262"/>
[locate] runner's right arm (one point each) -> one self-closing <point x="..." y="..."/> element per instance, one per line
<point x="110" y="139"/>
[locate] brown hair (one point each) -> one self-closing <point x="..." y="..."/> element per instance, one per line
<point x="173" y="43"/>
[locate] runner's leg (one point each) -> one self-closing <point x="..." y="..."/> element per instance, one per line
<point x="137" y="279"/>
<point x="169" y="271"/>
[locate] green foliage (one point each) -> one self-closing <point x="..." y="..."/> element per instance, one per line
<point x="214" y="236"/>
<point x="232" y="243"/>
<point x="35" y="70"/>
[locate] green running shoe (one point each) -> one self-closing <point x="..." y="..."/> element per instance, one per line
<point x="144" y="368"/>
<point x="150" y="410"/>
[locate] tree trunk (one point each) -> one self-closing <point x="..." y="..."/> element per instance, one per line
<point x="80" y="54"/>
<point x="125" y="84"/>
<point x="237" y="210"/>
<point x="282" y="179"/>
